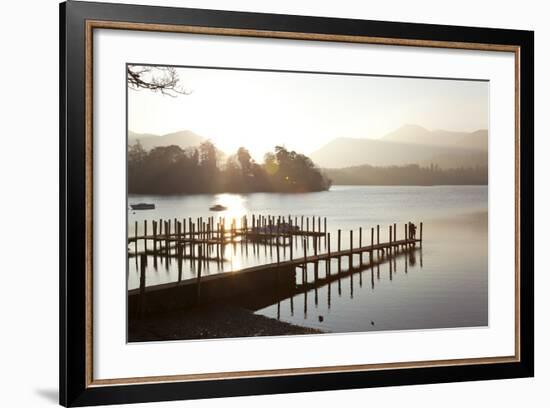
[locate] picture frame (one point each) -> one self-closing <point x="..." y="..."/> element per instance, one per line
<point x="78" y="384"/>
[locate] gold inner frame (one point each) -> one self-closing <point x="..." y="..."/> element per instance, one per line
<point x="97" y="24"/>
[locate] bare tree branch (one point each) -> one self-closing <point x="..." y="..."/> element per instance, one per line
<point x="156" y="79"/>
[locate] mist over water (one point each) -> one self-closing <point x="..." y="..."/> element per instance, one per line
<point x="443" y="285"/>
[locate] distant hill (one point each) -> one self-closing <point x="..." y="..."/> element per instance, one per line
<point x="408" y="145"/>
<point x="183" y="139"/>
<point x="345" y="152"/>
<point x="414" y="134"/>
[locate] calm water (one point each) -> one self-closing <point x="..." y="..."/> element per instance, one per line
<point x="443" y="285"/>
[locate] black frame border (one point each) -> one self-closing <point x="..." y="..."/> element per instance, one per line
<point x="72" y="123"/>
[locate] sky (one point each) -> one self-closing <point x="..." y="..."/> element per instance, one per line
<point x="259" y="110"/>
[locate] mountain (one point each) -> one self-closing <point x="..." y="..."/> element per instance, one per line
<point x="415" y="134"/>
<point x="183" y="139"/>
<point x="407" y="145"/>
<point x="476" y="140"/>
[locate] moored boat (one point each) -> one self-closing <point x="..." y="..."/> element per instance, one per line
<point x="142" y="206"/>
<point x="218" y="207"/>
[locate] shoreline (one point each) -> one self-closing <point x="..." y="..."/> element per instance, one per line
<point x="301" y="192"/>
<point x="214" y="321"/>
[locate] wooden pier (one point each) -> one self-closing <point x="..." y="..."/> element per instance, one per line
<point x="203" y="241"/>
<point x="168" y="237"/>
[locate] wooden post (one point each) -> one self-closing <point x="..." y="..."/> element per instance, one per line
<point x="406" y="235"/>
<point x="218" y="242"/>
<point x="278" y="231"/>
<point x="339" y="248"/>
<point x="192" y="240"/>
<point x="307" y="224"/>
<point x="394" y="232"/>
<point x="302" y="223"/>
<point x="183" y="234"/>
<point x="329" y="257"/>
<point x="315" y="246"/>
<point x="378" y="239"/>
<point x="350" y="249"/>
<point x="371" y="244"/>
<point x="208" y="234"/>
<point x="391" y="270"/>
<point x="361" y="245"/>
<point x="420" y="234"/>
<point x="390" y="242"/>
<point x="199" y="273"/>
<point x="291" y="247"/>
<point x="136" y="236"/>
<point x="319" y="224"/>
<point x="165" y="230"/>
<point x="304" y="269"/>
<point x="325" y="226"/>
<point x="178" y="242"/>
<point x="145" y="235"/>
<point x="143" y="262"/>
<point x="154" y="237"/>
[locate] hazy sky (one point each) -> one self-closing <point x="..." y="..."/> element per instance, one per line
<point x="259" y="110"/>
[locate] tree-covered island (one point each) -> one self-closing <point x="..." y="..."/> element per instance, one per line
<point x="196" y="170"/>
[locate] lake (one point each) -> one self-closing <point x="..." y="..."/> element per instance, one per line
<point x="444" y="284"/>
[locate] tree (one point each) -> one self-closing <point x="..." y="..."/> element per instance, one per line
<point x="232" y="176"/>
<point x="208" y="174"/>
<point x="245" y="160"/>
<point x="156" y="79"/>
<point x="136" y="153"/>
<point x="208" y="155"/>
<point x="294" y="172"/>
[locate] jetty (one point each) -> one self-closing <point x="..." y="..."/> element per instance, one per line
<point x="201" y="241"/>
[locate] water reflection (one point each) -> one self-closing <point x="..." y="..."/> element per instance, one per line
<point x="317" y="281"/>
<point x="311" y="287"/>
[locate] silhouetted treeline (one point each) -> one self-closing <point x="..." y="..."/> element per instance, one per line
<point x="173" y="170"/>
<point x="408" y="175"/>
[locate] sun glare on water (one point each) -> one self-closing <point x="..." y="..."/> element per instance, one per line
<point x="235" y="204"/>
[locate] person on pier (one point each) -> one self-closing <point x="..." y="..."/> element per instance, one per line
<point x="412" y="231"/>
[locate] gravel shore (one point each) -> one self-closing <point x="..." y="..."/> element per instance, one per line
<point x="210" y="322"/>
